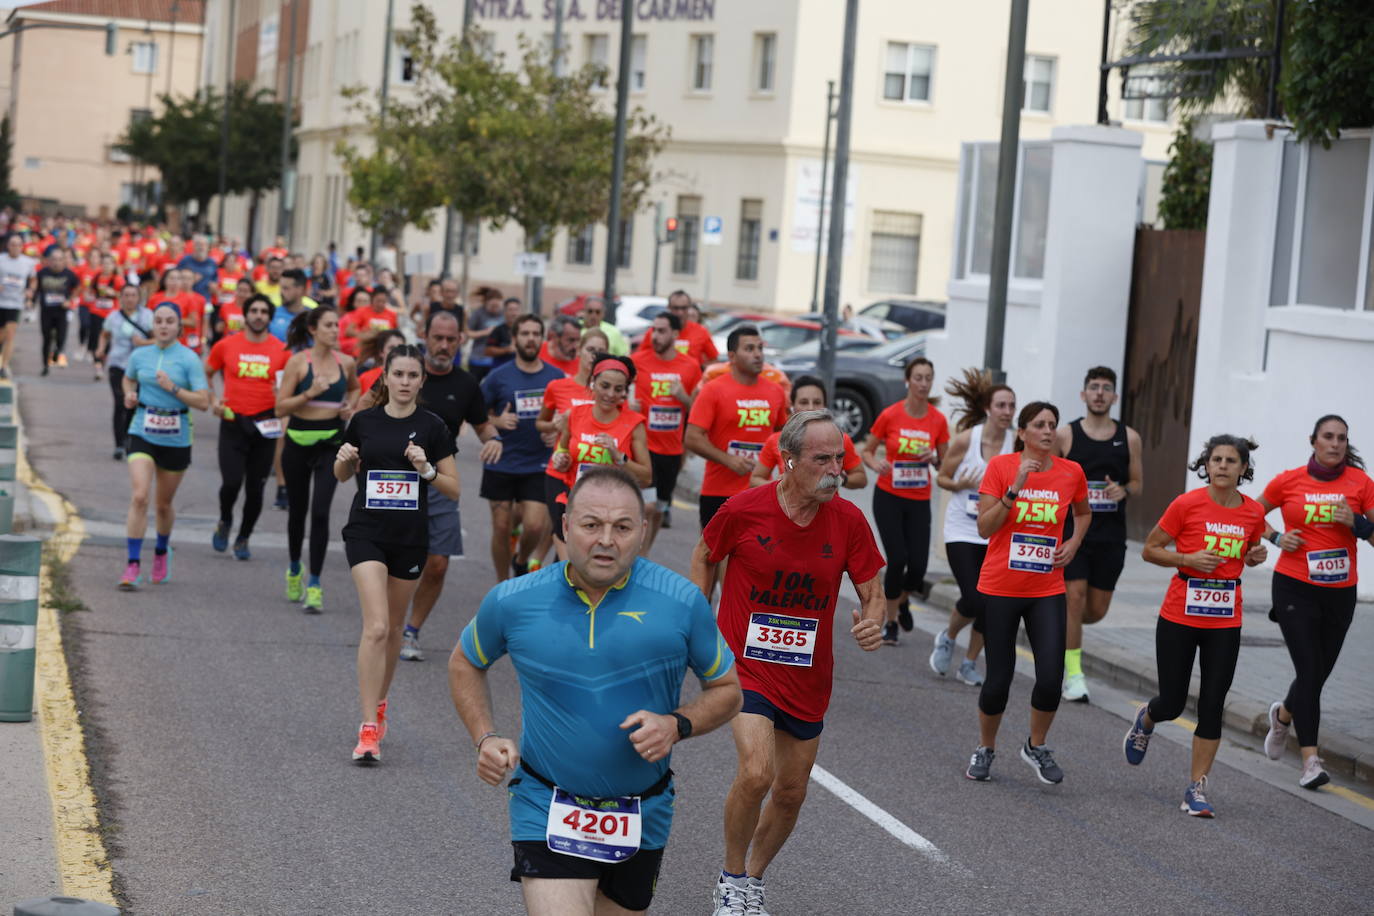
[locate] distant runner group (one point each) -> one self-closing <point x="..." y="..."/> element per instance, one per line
<point x="582" y="443"/>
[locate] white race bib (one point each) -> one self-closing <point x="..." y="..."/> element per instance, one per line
<point x="54" y="299"/>
<point x="529" y="403"/>
<point x="1210" y="598"/>
<point x="665" y="419"/>
<point x="600" y="829"/>
<point x="971" y="505"/>
<point x="271" y="428"/>
<point x="585" y="466"/>
<point x="12" y="281"/>
<point x="1096" y="501"/>
<point x="910" y="475"/>
<point x="750" y="450"/>
<point x="781" y="640"/>
<point x="1032" y="552"/>
<point x="161" y="425"/>
<point x="392" y="490"/>
<point x="1329" y="566"/>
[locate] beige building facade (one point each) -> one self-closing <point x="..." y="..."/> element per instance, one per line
<point x="69" y="101"/>
<point x="742" y="85"/>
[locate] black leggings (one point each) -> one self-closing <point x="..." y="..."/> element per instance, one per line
<point x="52" y="319"/>
<point x="305" y="466"/>
<point x="1314" y="620"/>
<point x="904" y="527"/>
<point x="122" y="414"/>
<point x="245" y="461"/>
<point x="1175" y="646"/>
<point x="1046" y="623"/>
<point x="966" y="562"/>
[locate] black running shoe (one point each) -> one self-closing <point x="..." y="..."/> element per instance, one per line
<point x="889" y="634"/>
<point x="904" y="616"/>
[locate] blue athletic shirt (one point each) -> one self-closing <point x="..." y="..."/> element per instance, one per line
<point x="583" y="670"/>
<point x="183" y="366"/>
<point x="522" y="451"/>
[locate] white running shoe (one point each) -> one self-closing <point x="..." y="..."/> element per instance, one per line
<point x="730" y="897"/>
<point x="941" y="654"/>
<point x="1277" y="738"/>
<point x="753" y="897"/>
<point x="1314" y="775"/>
<point x="968" y="673"/>
<point x="410" y="648"/>
<point x="1075" y="688"/>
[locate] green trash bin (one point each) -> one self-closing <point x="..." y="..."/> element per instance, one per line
<point x="6" y="403"/>
<point x="20" y="558"/>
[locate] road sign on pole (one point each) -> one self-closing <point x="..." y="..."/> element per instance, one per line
<point x="531" y="263"/>
<point x="712" y="231"/>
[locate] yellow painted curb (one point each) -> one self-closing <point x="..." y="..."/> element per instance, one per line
<point x="82" y="859"/>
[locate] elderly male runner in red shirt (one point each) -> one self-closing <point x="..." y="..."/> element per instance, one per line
<point x="789" y="543"/>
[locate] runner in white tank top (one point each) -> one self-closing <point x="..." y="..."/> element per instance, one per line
<point x="988" y="408"/>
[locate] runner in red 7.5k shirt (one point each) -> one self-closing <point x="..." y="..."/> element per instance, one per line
<point x="789" y="545"/>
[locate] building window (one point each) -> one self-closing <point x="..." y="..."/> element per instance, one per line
<point x="688" y="235"/>
<point x="473" y="231"/>
<point x="597" y="48"/>
<point x="485" y="42"/>
<point x="893" y="252"/>
<point x="703" y="54"/>
<point x="139" y="115"/>
<point x="145" y="56"/>
<point x="580" y="246"/>
<point x="627" y="240"/>
<point x="639" y="53"/>
<point x="1039" y="83"/>
<point x="1146" y="109"/>
<point x="405" y="66"/>
<point x="765" y="60"/>
<point x="750" y="234"/>
<point x="906" y="77"/>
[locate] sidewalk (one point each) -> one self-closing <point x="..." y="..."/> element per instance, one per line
<point x="1121" y="648"/>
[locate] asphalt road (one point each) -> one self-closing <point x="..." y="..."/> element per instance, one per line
<point x="222" y="720"/>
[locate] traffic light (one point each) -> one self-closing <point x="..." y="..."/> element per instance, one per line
<point x="670" y="229"/>
<point x="111" y="38"/>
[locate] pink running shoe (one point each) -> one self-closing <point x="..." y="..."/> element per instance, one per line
<point x="381" y="720"/>
<point x="162" y="567"/>
<point x="133" y="575"/>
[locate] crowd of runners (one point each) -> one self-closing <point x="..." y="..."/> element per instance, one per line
<point x="308" y="369"/>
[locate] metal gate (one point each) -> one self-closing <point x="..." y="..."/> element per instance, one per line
<point x="1161" y="352"/>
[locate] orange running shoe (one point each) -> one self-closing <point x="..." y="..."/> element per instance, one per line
<point x="368" y="750"/>
<point x="381" y="720"/>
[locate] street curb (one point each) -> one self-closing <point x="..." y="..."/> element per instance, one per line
<point x="83" y="860"/>
<point x="1342" y="753"/>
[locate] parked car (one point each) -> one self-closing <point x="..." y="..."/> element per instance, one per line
<point x="877" y="329"/>
<point x="633" y="314"/>
<point x="810" y="351"/>
<point x="779" y="335"/>
<point x="912" y="314"/>
<point x="866" y="379"/>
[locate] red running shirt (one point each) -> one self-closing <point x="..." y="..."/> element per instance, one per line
<point x="777" y="605"/>
<point x="562" y="395"/>
<point x="666" y="414"/>
<point x="1020" y="558"/>
<point x="583" y="428"/>
<point x="693" y="341"/>
<point x="1209" y="600"/>
<point x="249" y="372"/>
<point x="737" y="419"/>
<point x="570" y="367"/>
<point x="369" y="378"/>
<point x="910" y="443"/>
<point x="771" y="456"/>
<point x="105" y="293"/>
<point x="1327" y="556"/>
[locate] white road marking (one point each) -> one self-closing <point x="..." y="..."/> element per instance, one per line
<point x="877" y="815"/>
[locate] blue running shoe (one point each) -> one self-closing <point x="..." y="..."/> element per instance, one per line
<point x="220" y="539"/>
<point x="1195" y="803"/>
<point x="241" y="551"/>
<point x="1137" y="740"/>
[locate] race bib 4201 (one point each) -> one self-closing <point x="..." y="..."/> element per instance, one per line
<point x="599" y="829"/>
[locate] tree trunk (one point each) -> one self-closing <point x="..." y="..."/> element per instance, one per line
<point x="250" y="237"/>
<point x="463" y="274"/>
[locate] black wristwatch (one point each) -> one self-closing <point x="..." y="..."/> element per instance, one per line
<point x="1010" y="494"/>
<point x="684" y="726"/>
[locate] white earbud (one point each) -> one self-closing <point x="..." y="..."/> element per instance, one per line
<point x="791" y="465"/>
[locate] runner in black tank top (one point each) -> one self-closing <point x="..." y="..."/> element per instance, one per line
<point x="1109" y="453"/>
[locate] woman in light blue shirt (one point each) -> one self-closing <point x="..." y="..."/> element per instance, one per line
<point x="161" y="383"/>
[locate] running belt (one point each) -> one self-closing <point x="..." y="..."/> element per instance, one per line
<point x="657" y="788"/>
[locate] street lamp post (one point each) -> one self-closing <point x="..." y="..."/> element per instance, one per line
<point x="622" y="103"/>
<point x="820" y="203"/>
<point x="835" y="256"/>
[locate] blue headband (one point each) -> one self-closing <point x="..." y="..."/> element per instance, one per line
<point x="170" y="305"/>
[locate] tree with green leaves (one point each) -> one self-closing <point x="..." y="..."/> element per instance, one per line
<point x="183" y="143"/>
<point x="1328" y="71"/>
<point x="1186" y="190"/>
<point x="498" y="144"/>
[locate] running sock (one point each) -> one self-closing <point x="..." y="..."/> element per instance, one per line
<point x="295" y="567"/>
<point x="1073" y="662"/>
<point x="161" y="546"/>
<point x="726" y="874"/>
<point x="412" y="631"/>
<point x="135" y="549"/>
<point x="313" y="581"/>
